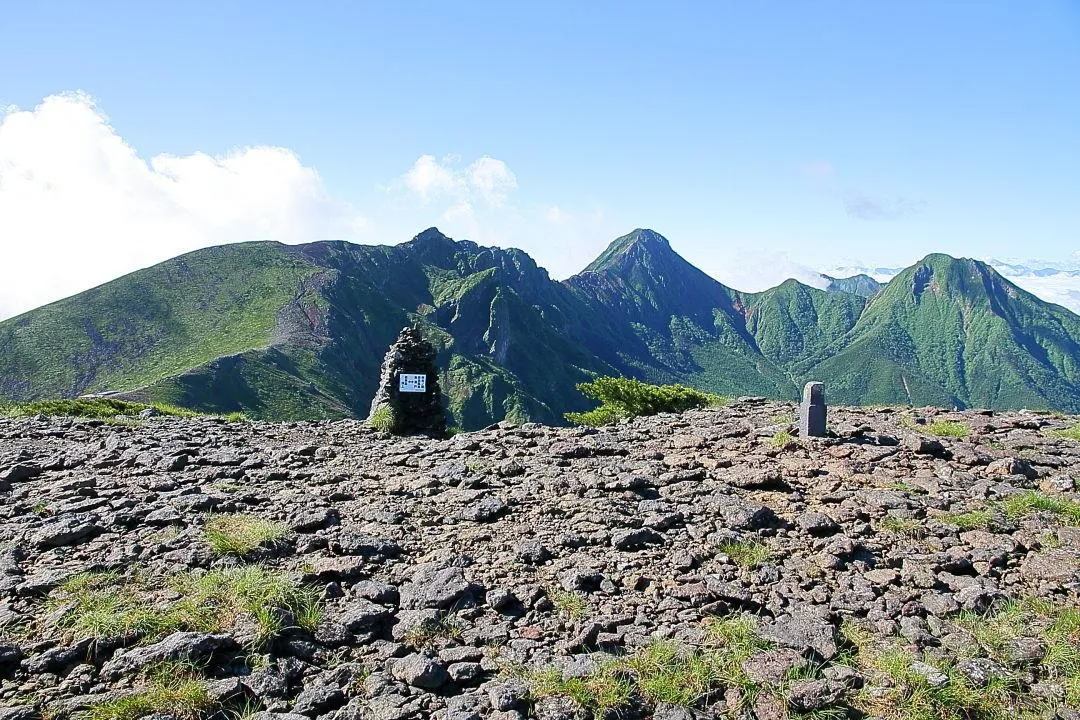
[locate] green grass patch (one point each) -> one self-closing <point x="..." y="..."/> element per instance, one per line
<point x="97" y="408"/>
<point x="1014" y="508"/>
<point x="627" y="398"/>
<point x="109" y="606"/>
<point x="663" y="671"/>
<point x="1072" y="433"/>
<point x="605" y="689"/>
<point x="240" y="535"/>
<point x="948" y="428"/>
<point x="902" y="692"/>
<point x="907" y="694"/>
<point x="901" y="526"/>
<point x="174" y="689"/>
<point x="1056" y="626"/>
<point x="431" y="633"/>
<point x="568" y="603"/>
<point x="666" y="672"/>
<point x="1019" y="506"/>
<point x="746" y="553"/>
<point x="971" y="520"/>
<point x="216" y="600"/>
<point x="781" y="439"/>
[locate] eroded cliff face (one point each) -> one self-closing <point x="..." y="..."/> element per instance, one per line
<point x="706" y="564"/>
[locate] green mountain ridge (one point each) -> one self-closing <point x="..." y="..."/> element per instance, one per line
<point x="299" y="332"/>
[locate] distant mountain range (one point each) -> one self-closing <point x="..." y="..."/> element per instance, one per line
<point x="298" y="332"/>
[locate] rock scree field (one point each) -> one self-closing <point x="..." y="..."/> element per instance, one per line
<point x="916" y="564"/>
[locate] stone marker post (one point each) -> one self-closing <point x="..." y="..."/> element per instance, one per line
<point x="409" y="399"/>
<point x="812" y="411"/>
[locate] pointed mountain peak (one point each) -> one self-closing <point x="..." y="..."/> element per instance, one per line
<point x="431" y="237"/>
<point x="639" y="246"/>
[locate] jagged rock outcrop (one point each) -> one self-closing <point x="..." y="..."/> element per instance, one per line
<point x="367" y="576"/>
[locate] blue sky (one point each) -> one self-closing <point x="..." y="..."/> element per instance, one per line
<point x="752" y="135"/>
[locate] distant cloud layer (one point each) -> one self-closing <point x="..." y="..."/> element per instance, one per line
<point x="78" y="205"/>
<point x="858" y="203"/>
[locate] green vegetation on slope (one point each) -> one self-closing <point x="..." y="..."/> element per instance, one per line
<point x="151" y="324"/>
<point x="954" y="332"/>
<point x="96" y="408"/>
<point x="299" y="333"/>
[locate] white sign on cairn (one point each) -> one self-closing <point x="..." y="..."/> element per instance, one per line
<point x="409" y="383"/>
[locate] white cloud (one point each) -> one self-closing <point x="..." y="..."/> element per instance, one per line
<point x="491" y="179"/>
<point x="753" y="271"/>
<point x="78" y="206"/>
<point x="486" y="179"/>
<point x="428" y="177"/>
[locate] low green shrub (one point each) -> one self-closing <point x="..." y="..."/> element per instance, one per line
<point x="627" y="398"/>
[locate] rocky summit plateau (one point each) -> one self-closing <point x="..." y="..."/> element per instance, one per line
<point x="914" y="564"/>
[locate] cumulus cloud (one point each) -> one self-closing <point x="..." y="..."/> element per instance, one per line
<point x="79" y="206"/>
<point x="486" y="179"/>
<point x="868" y="207"/>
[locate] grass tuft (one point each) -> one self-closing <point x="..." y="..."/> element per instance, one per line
<point x="174" y="689"/>
<point x="383" y="419"/>
<point x="240" y="534"/>
<point x="747" y="554"/>
<point x="1072" y="433"/>
<point x="430" y="634"/>
<point x="782" y="439"/>
<point x="568" y="603"/>
<point x="948" y="428"/>
<point x="663" y="671"/>
<point x="972" y="520"/>
<point x="1019" y="506"/>
<point x="606" y="688"/>
<point x="108" y="606"/>
<point x="901" y="526"/>
<point x="668" y="673"/>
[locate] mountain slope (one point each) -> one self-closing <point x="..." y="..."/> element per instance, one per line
<point x="954" y="332"/>
<point x="298" y="332"/>
<point x="155" y="322"/>
<point x="793" y="322"/>
<point x="676" y="324"/>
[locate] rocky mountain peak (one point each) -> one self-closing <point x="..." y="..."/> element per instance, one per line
<point x="640" y="247"/>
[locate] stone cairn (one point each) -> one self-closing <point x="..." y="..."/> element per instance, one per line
<point x="812" y="411"/>
<point x="412" y="411"/>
